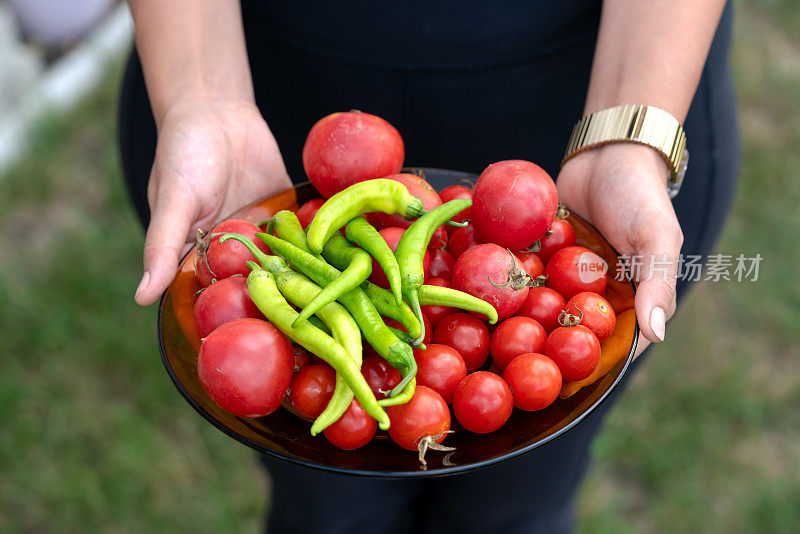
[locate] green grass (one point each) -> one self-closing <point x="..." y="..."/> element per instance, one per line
<point x="95" y="438"/>
<point x="707" y="438"/>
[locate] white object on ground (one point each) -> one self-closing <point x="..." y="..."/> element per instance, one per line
<point x="58" y="22"/>
<point x="71" y="77"/>
<point x="19" y="64"/>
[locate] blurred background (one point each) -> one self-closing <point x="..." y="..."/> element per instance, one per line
<point x="95" y="437"/>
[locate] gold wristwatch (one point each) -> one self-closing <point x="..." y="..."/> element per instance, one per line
<point x="644" y="125"/>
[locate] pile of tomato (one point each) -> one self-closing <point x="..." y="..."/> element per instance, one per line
<point x="517" y="253"/>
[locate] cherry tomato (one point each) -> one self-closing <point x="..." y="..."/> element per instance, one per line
<point x="563" y="235"/>
<point x="381" y="377"/>
<point x="245" y="366"/>
<point x="440" y="368"/>
<point x="544" y="305"/>
<point x="308" y="210"/>
<point x="217" y="262"/>
<point x="514" y="203"/>
<point x="573" y="270"/>
<point x="482" y="402"/>
<point x="468" y="335"/>
<point x="598" y="315"/>
<point x="575" y="350"/>
<point x="515" y="336"/>
<point x="455" y="192"/>
<point x="441" y="263"/>
<point x="221" y="302"/>
<point x="426" y="414"/>
<point x="531" y="262"/>
<point x="462" y="240"/>
<point x="489" y="272"/>
<point x="353" y="430"/>
<point x="301" y="357"/>
<point x="437" y="313"/>
<point x="427" y="338"/>
<point x="311" y="389"/>
<point x="535" y="381"/>
<point x="392" y="237"/>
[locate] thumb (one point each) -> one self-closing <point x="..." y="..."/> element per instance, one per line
<point x="657" y="271"/>
<point x="163" y="246"/>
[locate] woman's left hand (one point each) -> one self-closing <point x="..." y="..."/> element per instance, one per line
<point x="621" y="190"/>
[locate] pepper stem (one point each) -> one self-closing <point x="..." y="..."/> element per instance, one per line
<point x="271" y="263"/>
<point x="413" y="300"/>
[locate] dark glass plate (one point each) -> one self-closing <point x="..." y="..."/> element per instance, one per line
<point x="285" y="436"/>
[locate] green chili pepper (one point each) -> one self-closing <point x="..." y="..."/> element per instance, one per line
<point x="357" y="271"/>
<point x="377" y="334"/>
<point x="300" y="291"/>
<point x="264" y="292"/>
<point x="447" y="296"/>
<point x="382" y="299"/>
<point x="405" y="337"/>
<point x="287" y="226"/>
<point x="316" y="321"/>
<point x="411" y="249"/>
<point x="388" y="196"/>
<point x="403" y="397"/>
<point x="363" y="234"/>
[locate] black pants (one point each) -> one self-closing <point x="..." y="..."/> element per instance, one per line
<point x="461" y="118"/>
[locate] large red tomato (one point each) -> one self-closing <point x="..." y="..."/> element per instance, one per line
<point x="246" y="366"/>
<point x="514" y="203"/>
<point x="493" y="274"/>
<point x="346" y="148"/>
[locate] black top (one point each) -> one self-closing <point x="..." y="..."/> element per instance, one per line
<point x="427" y="33"/>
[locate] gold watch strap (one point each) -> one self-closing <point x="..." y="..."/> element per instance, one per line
<point x="645" y="125"/>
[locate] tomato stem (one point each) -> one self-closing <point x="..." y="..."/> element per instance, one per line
<point x="567" y="319"/>
<point x="429" y="443"/>
<point x="515" y="277"/>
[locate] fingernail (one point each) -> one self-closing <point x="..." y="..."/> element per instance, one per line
<point x="143" y="284"/>
<point x="658" y="322"/>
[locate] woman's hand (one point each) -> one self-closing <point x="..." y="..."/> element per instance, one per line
<point x="621" y="190"/>
<point x="213" y="157"/>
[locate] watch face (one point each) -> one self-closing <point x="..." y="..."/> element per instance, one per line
<point x="674" y="185"/>
<point x="682" y="166"/>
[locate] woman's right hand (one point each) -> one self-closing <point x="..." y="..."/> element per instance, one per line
<point x="213" y="157"/>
